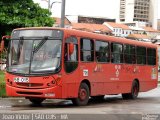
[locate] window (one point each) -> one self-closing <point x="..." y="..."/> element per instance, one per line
<point x="141" y="55"/>
<point x="102" y="51"/>
<point x="87" y="50"/>
<point x="117" y="53"/>
<point x="71" y="58"/>
<point x="129" y="54"/>
<point x="116" y="30"/>
<point x="151" y="56"/>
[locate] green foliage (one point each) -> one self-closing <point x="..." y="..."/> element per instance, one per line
<point x="3" y="90"/>
<point x="144" y="33"/>
<point x="2" y="84"/>
<point x="22" y="13"/>
<point x="1" y="77"/>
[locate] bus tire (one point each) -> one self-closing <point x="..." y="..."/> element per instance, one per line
<point x="83" y="95"/>
<point x="36" y="101"/>
<point x="134" y="91"/>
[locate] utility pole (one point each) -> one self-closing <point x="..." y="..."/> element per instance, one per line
<point x="62" y="13"/>
<point x="51" y="4"/>
<point x="49" y="7"/>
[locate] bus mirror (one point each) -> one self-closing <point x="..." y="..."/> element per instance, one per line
<point x="2" y="46"/>
<point x="71" y="48"/>
<point x="2" y="42"/>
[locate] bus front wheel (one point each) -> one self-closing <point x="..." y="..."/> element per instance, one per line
<point x="36" y="101"/>
<point x="83" y="95"/>
<point x="134" y="91"/>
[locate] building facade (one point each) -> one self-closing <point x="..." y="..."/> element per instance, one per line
<point x="139" y="10"/>
<point x="95" y="28"/>
<point x="152" y="33"/>
<point x="88" y="19"/>
<point x="158" y="24"/>
<point x="118" y="30"/>
<point x="67" y="23"/>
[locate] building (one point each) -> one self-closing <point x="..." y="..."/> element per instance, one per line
<point x="139" y="37"/>
<point x="95" y="28"/>
<point x="139" y="10"/>
<point x="152" y="33"/>
<point x="136" y="24"/>
<point x="88" y="19"/>
<point x="137" y="30"/>
<point x="158" y="24"/>
<point x="57" y="23"/>
<point x="119" y="30"/>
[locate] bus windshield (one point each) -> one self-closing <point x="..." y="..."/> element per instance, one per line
<point x="34" y="56"/>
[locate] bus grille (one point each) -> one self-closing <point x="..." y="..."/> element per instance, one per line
<point x="30" y="93"/>
<point x="30" y="85"/>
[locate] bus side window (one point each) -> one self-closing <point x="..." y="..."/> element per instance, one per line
<point x="102" y="51"/>
<point x="151" y="56"/>
<point x="71" y="54"/>
<point x="116" y="53"/>
<point x="129" y="54"/>
<point x="141" y="55"/>
<point x="87" y="50"/>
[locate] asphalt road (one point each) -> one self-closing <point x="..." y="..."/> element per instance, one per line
<point x="147" y="103"/>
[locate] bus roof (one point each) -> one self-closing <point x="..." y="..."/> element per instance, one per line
<point x="96" y="36"/>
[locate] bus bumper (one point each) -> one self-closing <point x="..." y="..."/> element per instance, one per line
<point x="53" y="92"/>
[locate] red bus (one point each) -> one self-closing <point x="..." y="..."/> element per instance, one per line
<point x="54" y="63"/>
<point x="158" y="47"/>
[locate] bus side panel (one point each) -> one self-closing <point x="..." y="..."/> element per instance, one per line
<point x="70" y="84"/>
<point x="119" y="78"/>
<point x="109" y="78"/>
<point x="149" y="80"/>
<point x="104" y="79"/>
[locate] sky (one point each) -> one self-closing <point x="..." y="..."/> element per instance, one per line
<point x="96" y="8"/>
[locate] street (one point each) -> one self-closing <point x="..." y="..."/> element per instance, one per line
<point x="147" y="103"/>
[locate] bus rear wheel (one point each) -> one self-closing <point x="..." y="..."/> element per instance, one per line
<point x="134" y="91"/>
<point x="83" y="95"/>
<point x="36" y="101"/>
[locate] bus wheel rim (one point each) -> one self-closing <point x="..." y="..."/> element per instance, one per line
<point x="82" y="94"/>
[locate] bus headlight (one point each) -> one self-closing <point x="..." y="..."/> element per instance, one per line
<point x="53" y="81"/>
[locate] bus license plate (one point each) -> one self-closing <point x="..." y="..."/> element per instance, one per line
<point x="21" y="79"/>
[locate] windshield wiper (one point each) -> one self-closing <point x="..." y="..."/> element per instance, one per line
<point x="40" y="44"/>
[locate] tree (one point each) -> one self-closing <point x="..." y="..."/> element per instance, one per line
<point x="22" y="13"/>
<point x="144" y="33"/>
